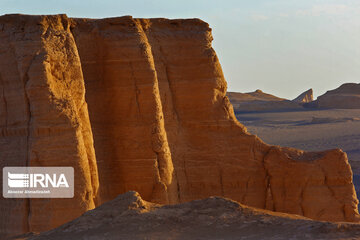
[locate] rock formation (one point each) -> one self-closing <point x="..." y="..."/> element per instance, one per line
<point x="160" y="123"/>
<point x="260" y="101"/>
<point x="130" y="217"/>
<point x="305" y="97"/>
<point x="43" y="118"/>
<point x="346" y="96"/>
<point x="258" y="95"/>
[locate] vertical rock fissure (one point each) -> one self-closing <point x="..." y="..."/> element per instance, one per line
<point x="137" y="90"/>
<point x="221" y="182"/>
<point x="93" y="168"/>
<point x="173" y="100"/>
<point x="246" y="189"/>
<point x="167" y="76"/>
<point x="28" y="110"/>
<point x="27" y="101"/>
<point x="332" y="191"/>
<point x="4" y="100"/>
<point x="156" y="127"/>
<point x="178" y="188"/>
<point x="268" y="188"/>
<point x="159" y="135"/>
<point x="302" y="197"/>
<point x="268" y="194"/>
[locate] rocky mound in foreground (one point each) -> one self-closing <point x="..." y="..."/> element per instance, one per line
<point x="149" y="97"/>
<point x="347" y="96"/>
<point x="130" y="217"/>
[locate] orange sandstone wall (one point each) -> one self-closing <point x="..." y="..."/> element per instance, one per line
<point x="43" y="119"/>
<point x="160" y="123"/>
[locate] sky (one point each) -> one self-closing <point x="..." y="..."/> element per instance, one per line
<point x="283" y="47"/>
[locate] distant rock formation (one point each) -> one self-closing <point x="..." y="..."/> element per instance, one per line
<point x="258" y="95"/>
<point x="305" y="97"/>
<point x="160" y="123"/>
<point x="130" y="217"/>
<point x="346" y="96"/>
<point x="260" y="101"/>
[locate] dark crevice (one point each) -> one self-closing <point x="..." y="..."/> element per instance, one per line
<point x="28" y="109"/>
<point x="302" y="198"/>
<point x="178" y="188"/>
<point x="333" y="193"/>
<point x="4" y="100"/>
<point x="221" y="182"/>
<point x="137" y="90"/>
<point x="268" y="188"/>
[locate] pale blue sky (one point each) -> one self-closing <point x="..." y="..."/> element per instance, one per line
<point x="283" y="47"/>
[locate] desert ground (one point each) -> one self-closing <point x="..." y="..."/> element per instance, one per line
<point x="130" y="217"/>
<point x="311" y="130"/>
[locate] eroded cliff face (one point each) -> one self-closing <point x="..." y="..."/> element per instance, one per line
<point x="44" y="118"/>
<point x="204" y="150"/>
<point x="161" y="123"/>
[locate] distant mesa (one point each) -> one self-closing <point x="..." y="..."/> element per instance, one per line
<point x="347" y="96"/>
<point x="260" y="101"/>
<point x="305" y="97"/>
<point x="258" y="95"/>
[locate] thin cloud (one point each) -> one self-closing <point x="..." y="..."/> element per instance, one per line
<point x="259" y="17"/>
<point x="285" y="15"/>
<point x="325" y="9"/>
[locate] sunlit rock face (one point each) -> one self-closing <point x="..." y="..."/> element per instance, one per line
<point x="148" y="96"/>
<point x="305" y="97"/>
<point x="43" y="118"/>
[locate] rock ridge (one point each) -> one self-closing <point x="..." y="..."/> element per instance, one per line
<point x="347" y="96"/>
